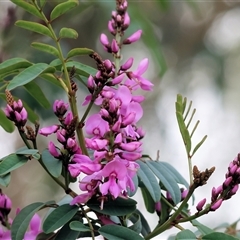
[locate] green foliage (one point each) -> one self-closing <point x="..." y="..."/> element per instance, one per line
<point x="5" y="123"/>
<point x="186" y="235"/>
<point x="78" y="226"/>
<point x="218" y="235"/>
<point x="59" y="217"/>
<point x="5" y="179"/>
<point x="53" y="165"/>
<point x="115" y="232"/>
<point x="45" y="48"/>
<point x="79" y="52"/>
<point x="144" y="223"/>
<point x="68" y="33"/>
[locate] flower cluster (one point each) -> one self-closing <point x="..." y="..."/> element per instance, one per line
<point x="65" y="132"/>
<point x="114" y="136"/>
<point x="5" y="208"/>
<point x="15" y="111"/>
<point x="227" y="189"/>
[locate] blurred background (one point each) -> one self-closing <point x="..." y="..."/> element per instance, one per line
<point x="194" y="50"/>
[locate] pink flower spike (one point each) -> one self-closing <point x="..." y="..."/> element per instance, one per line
<point x="234" y="189"/>
<point x="128" y="64"/>
<point x="216" y="205"/>
<point x="48" y="130"/>
<point x="53" y="150"/>
<point x="104" y="39"/>
<point x="227" y="182"/>
<point x="201" y="204"/>
<point x="133" y="38"/>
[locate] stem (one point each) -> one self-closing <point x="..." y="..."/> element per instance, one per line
<point x="118" y="55"/>
<point x="169" y="222"/>
<point x="89" y="223"/>
<point x="24" y="138"/>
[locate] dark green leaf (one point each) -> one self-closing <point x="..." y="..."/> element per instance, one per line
<point x="115" y="232"/>
<point x="42" y="3"/>
<point x="22" y="219"/>
<point x="5" y="123"/>
<point x="61" y="8"/>
<point x="78" y="226"/>
<point x="34" y="27"/>
<point x="135" y="181"/>
<point x="44" y="236"/>
<point x="167" y="180"/>
<point x="137" y="224"/>
<point x="32" y="116"/>
<point x="68" y="33"/>
<point x="26" y="151"/>
<point x="36" y="92"/>
<point x="28" y="7"/>
<point x="201" y="228"/>
<point x="148" y="201"/>
<point x="150" y="181"/>
<point x="79" y="52"/>
<point x="53" y="165"/>
<point x="5" y="179"/>
<point x="45" y="48"/>
<point x="65" y="233"/>
<point x="145" y="227"/>
<point x="58" y="217"/>
<point x="11" y="162"/>
<point x="51" y="78"/>
<point x="117" y="207"/>
<point x="13" y="64"/>
<point x="56" y="63"/>
<point x="81" y="69"/>
<point x="186" y="235"/>
<point x="29" y="74"/>
<point x="218" y="236"/>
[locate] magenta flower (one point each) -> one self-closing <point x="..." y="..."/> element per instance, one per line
<point x="201" y="204"/>
<point x="60" y="108"/>
<point x="34" y="228"/>
<point x="216" y="205"/>
<point x="53" y="150"/>
<point x="133" y="38"/>
<point x="45" y="131"/>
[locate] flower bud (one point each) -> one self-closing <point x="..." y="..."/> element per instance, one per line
<point x="128" y="64"/>
<point x="133" y="38"/>
<point x="126" y="21"/>
<point x="104" y="40"/>
<point x="53" y="150"/>
<point x="216" y="205"/>
<point x="114" y="46"/>
<point x="201" y="204"/>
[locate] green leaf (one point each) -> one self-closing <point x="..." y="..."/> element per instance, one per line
<point x="115" y="232"/>
<point x="79" y="52"/>
<point x="62" y="8"/>
<point x="65" y="233"/>
<point x="36" y="92"/>
<point x="78" y="226"/>
<point x="58" y="217"/>
<point x="32" y="116"/>
<point x="45" y="48"/>
<point x="199" y="145"/>
<point x="34" y="27"/>
<point x="26" y="151"/>
<point x="148" y="201"/>
<point x="22" y="219"/>
<point x="218" y="236"/>
<point x="13" y="64"/>
<point x="28" y="7"/>
<point x="81" y="69"/>
<point x="137" y="224"/>
<point x="202" y="228"/>
<point x="11" y="162"/>
<point x="167" y="180"/>
<point x="145" y="227"/>
<point x="149" y="180"/>
<point x="135" y="181"/>
<point x="68" y="33"/>
<point x="5" y="179"/>
<point x="29" y="74"/>
<point x="51" y="78"/>
<point x="42" y="3"/>
<point x="186" y="235"/>
<point x="117" y="207"/>
<point x="5" y="123"/>
<point x="44" y="236"/>
<point x="53" y="165"/>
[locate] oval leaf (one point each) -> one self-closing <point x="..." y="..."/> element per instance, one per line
<point x="202" y="228"/>
<point x="79" y="52"/>
<point x="186" y="235"/>
<point x="117" y="207"/>
<point x="45" y="48"/>
<point x="115" y="232"/>
<point x="13" y="64"/>
<point x="137" y="224"/>
<point x="5" y="179"/>
<point x="51" y="78"/>
<point x="5" y="123"/>
<point x="21" y="221"/>
<point x="218" y="235"/>
<point x="34" y="27"/>
<point x="29" y="74"/>
<point x="53" y="165"/>
<point x="26" y="151"/>
<point x="58" y="217"/>
<point x="78" y="226"/>
<point x="149" y="180"/>
<point x="65" y="233"/>
<point x="29" y="8"/>
<point x="61" y="8"/>
<point x="36" y="92"/>
<point x="148" y="201"/>
<point x="68" y="33"/>
<point x="81" y="69"/>
<point x="167" y="180"/>
<point x="11" y="162"/>
<point x="145" y="227"/>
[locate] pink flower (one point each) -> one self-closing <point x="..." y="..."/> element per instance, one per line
<point x="35" y="228"/>
<point x="216" y="205"/>
<point x="45" y="131"/>
<point x="201" y="204"/>
<point x="59" y="107"/>
<point x="53" y="150"/>
<point x="133" y="38"/>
